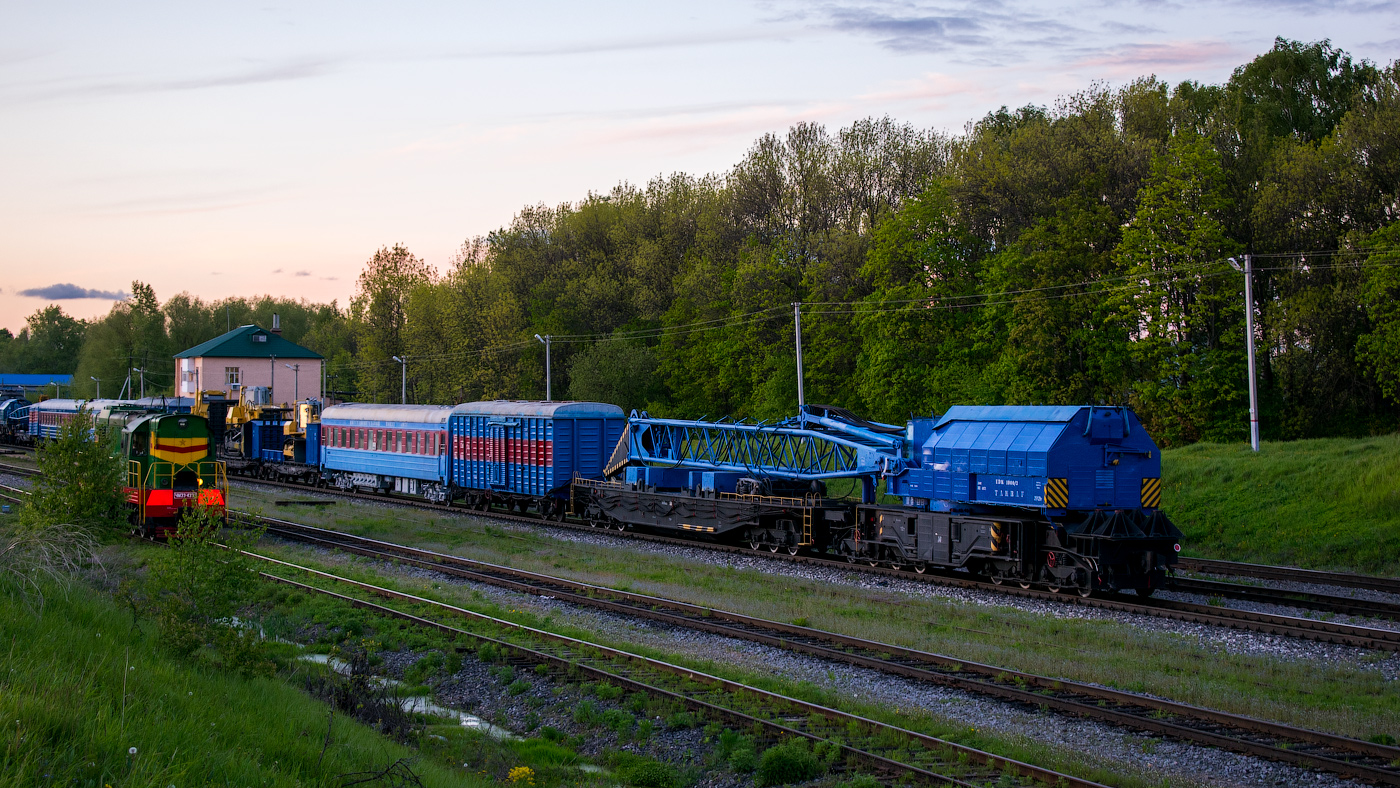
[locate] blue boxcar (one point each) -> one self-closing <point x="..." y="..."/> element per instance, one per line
<point x="531" y="450"/>
<point x="386" y="447"/>
<point x="1043" y="457"/>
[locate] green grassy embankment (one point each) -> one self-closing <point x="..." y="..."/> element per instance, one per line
<point x="80" y="687"/>
<point x="1321" y="504"/>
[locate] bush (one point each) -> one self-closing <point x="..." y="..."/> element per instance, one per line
<point x="608" y="691"/>
<point x="426" y="667"/>
<point x="649" y="774"/>
<point x="862" y="781"/>
<point x="789" y="762"/>
<point x="681" y="719"/>
<point x="618" y="720"/>
<point x="196" y="588"/>
<point x="487" y="652"/>
<point x="587" y="713"/>
<point x="518" y="687"/>
<point x="738" y="751"/>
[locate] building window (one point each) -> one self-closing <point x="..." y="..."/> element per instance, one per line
<point x="232" y="377"/>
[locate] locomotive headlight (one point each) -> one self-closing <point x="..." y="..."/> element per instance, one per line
<point x="1177" y="547"/>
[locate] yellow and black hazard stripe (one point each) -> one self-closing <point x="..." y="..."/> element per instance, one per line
<point x="1057" y="493"/>
<point x="1151" y="493"/>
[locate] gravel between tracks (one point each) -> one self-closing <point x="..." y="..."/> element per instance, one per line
<point x="1213" y="638"/>
<point x="1180" y="763"/>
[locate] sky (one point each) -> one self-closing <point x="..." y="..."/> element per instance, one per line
<point x="238" y="149"/>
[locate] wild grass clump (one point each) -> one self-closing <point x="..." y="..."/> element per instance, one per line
<point x="73" y="505"/>
<point x="89" y="700"/>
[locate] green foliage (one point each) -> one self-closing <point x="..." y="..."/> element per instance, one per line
<point x="425" y="668"/>
<point x="48" y="344"/>
<point x="1379" y="349"/>
<point x="1183" y="359"/>
<point x="1055" y="255"/>
<point x="738" y="751"/>
<point x="1324" y="504"/>
<point x="80" y="687"/>
<point x="792" y="761"/>
<point x="81" y="480"/>
<point x="619" y="372"/>
<point x="197" y="592"/>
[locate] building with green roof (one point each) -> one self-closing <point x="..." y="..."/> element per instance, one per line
<point x="251" y="356"/>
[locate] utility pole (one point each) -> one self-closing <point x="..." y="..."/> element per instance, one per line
<point x="548" y="393"/>
<point x="1249" y="344"/>
<point x="403" y="383"/>
<point x="99" y="386"/>
<point x="296" y="381"/>
<point x="143" y="380"/>
<point x="797" y="322"/>
<point x="272" y="386"/>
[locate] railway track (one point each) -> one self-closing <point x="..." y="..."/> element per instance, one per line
<point x="1291" y="574"/>
<point x="1291" y="626"/>
<point x="1212" y="615"/>
<point x="1298" y="746"/>
<point x="897" y="753"/>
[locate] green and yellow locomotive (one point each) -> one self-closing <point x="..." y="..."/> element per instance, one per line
<point x="170" y="465"/>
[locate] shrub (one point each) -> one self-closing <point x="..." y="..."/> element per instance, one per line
<point x="519" y="686"/>
<point x="618" y="720"/>
<point x="862" y="781"/>
<point x="789" y="762"/>
<point x="608" y="691"/>
<point x="649" y="774"/>
<point x="426" y="666"/>
<point x="487" y="652"/>
<point x="681" y="719"/>
<point x="587" y="713"/>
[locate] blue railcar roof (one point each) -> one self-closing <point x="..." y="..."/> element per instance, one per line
<point x="368" y="411"/>
<point x="1035" y="413"/>
<point x="518" y="407"/>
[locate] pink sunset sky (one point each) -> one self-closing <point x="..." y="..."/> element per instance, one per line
<point x="233" y="150"/>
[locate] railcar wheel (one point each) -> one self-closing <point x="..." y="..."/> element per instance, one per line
<point x="920" y="567"/>
<point x="1085" y="591"/>
<point x="792" y="549"/>
<point x="1025" y="584"/>
<point x="850" y="558"/>
<point x="773" y="547"/>
<point x="872" y="562"/>
<point x="619" y="525"/>
<point x="1054" y="588"/>
<point x="754" y="543"/>
<point x="996" y="580"/>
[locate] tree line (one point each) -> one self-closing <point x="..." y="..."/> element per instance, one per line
<point x="1067" y="254"/>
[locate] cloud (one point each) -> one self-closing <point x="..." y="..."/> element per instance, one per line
<point x="277" y="72"/>
<point x="302" y="273"/>
<point x="277" y="270"/>
<point x="1137" y="58"/>
<point x="329" y="278"/>
<point x="64" y="292"/>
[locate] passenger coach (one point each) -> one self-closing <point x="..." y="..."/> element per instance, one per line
<point x="384" y="448"/>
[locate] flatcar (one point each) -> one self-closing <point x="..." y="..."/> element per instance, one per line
<point x="1063" y="497"/>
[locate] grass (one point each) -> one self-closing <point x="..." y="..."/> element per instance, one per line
<point x="88" y="700"/>
<point x="335" y="620"/>
<point x="1322" y="504"/>
<point x="1336" y="697"/>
